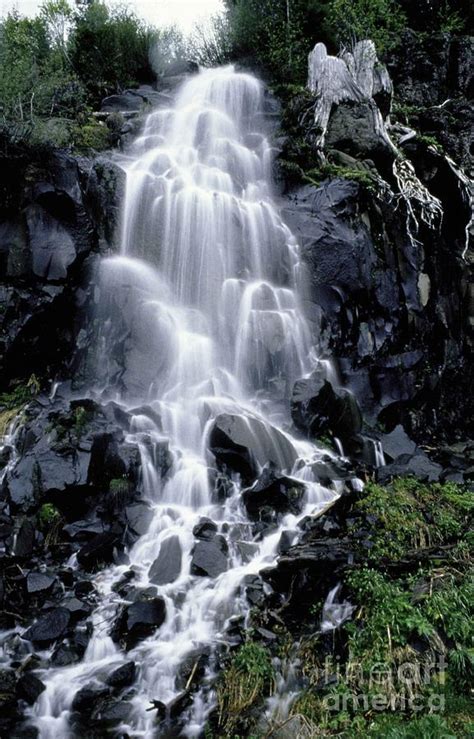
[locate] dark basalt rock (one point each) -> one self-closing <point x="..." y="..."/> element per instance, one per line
<point x="50" y="627"/>
<point x="167" y="566"/>
<point x="354" y="128"/>
<point x="39" y="584"/>
<point x="241" y="443"/>
<point x="205" y="529"/>
<point x="210" y="557"/>
<point x="98" y="551"/>
<point x="29" y="688"/>
<point x="88" y="699"/>
<point x="273" y="493"/>
<point x="138" y="621"/>
<point x="418" y="465"/>
<point x="123" y="676"/>
<point x="397" y="442"/>
<point x="318" y="407"/>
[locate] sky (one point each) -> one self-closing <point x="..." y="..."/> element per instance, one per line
<point x="159" y="12"/>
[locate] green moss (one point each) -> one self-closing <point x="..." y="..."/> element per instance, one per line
<point x="331" y="171"/>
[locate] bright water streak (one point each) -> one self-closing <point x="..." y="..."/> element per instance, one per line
<point x="206" y="289"/>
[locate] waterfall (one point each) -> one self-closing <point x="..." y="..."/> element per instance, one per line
<point x="208" y="293"/>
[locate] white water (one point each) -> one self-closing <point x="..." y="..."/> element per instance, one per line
<point x="208" y="289"/>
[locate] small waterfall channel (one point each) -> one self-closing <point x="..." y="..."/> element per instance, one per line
<point x="209" y="289"/>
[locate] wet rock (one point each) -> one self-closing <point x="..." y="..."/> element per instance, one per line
<point x="25" y="540"/>
<point x="99" y="551"/>
<point x="419" y="466"/>
<point x="247" y="550"/>
<point x="273" y="493"/>
<point x="192" y="669"/>
<point x="77" y="608"/>
<point x="39" y="584"/>
<point x="138" y="621"/>
<point x="123" y="676"/>
<point x="241" y="443"/>
<point x="139" y="517"/>
<point x="8" y="697"/>
<point x="48" y="628"/>
<point x="397" y="442"/>
<point x="167" y="566"/>
<point x="89" y="699"/>
<point x="179" y="704"/>
<point x="29" y="688"/>
<point x="64" y="655"/>
<point x="205" y="529"/>
<point x="318" y="407"/>
<point x="210" y="558"/>
<point x="110" y="712"/>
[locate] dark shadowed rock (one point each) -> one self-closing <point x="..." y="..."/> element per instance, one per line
<point x="273" y="493"/>
<point x="210" y="558"/>
<point x="167" y="566"/>
<point x="88" y="699"/>
<point x="98" y="551"/>
<point x="138" y="621"/>
<point x="29" y="688"/>
<point x="318" y="407"/>
<point x="205" y="529"/>
<point x="50" y="627"/>
<point x="123" y="676"/>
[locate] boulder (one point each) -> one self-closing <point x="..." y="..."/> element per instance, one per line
<point x="49" y="627"/>
<point x="29" y="688"/>
<point x="167" y="566"/>
<point x="205" y="529"/>
<point x="98" y="551"/>
<point x="123" y="676"/>
<point x="210" y="558"/>
<point x="273" y="493"/>
<point x="397" y="442"/>
<point x="418" y="465"/>
<point x="138" y="621"/>
<point x="318" y="407"/>
<point x="88" y="699"/>
<point x="39" y="584"/>
<point x="241" y="443"/>
<point x="354" y="128"/>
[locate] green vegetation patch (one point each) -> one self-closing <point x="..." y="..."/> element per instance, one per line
<point x="246" y="681"/>
<point x="409" y="515"/>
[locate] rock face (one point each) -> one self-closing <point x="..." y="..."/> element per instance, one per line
<point x="50" y="225"/>
<point x="435" y="79"/>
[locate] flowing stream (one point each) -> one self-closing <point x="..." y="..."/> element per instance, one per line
<point x="209" y="288"/>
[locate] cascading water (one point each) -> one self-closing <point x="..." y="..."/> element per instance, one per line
<point x="207" y="291"/>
